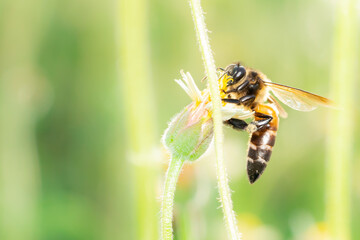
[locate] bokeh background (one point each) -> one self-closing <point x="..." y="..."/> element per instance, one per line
<point x="86" y="91"/>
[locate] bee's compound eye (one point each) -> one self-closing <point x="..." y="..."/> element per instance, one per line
<point x="239" y="74"/>
<point x="234" y="70"/>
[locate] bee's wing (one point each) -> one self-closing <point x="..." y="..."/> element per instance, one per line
<point x="298" y="99"/>
<point x="282" y="112"/>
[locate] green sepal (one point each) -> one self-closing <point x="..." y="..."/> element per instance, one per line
<point x="188" y="140"/>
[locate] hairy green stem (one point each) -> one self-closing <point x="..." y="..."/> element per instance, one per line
<point x="341" y="137"/>
<point x="171" y="178"/>
<point x="209" y="63"/>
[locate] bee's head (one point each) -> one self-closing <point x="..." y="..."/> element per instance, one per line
<point x="236" y="71"/>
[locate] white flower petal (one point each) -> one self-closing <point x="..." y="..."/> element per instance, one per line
<point x="231" y="111"/>
<point x="183" y="86"/>
<point x="189" y="86"/>
<point x="194" y="88"/>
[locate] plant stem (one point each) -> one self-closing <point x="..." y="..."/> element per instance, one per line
<point x="341" y="137"/>
<point x="209" y="63"/>
<point x="171" y="178"/>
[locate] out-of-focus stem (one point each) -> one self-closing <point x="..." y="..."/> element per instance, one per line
<point x="209" y="63"/>
<point x="139" y="114"/>
<point x="20" y="89"/>
<point x="171" y="179"/>
<point x="340" y="145"/>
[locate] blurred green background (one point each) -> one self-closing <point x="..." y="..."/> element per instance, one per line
<point x="73" y="111"/>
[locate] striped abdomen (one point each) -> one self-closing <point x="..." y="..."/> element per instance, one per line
<point x="261" y="143"/>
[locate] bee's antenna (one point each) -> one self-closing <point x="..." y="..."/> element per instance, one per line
<point x="202" y="80"/>
<point x="217" y="69"/>
<point x="223" y="70"/>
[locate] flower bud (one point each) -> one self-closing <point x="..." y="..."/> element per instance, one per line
<point x="189" y="133"/>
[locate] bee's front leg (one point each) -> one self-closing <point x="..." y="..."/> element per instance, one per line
<point x="231" y="100"/>
<point x="243" y="100"/>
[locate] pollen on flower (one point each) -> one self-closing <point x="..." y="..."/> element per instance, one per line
<point x="222" y="86"/>
<point x="201" y="108"/>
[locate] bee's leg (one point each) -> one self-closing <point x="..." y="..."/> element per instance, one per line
<point x="242" y="100"/>
<point x="259" y="124"/>
<point x="236" y="123"/>
<point x="240" y="87"/>
<point x="231" y="100"/>
<point x="247" y="98"/>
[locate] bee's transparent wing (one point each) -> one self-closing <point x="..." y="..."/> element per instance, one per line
<point x="282" y="112"/>
<point x="298" y="99"/>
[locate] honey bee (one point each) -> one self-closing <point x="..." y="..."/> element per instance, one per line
<point x="251" y="90"/>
